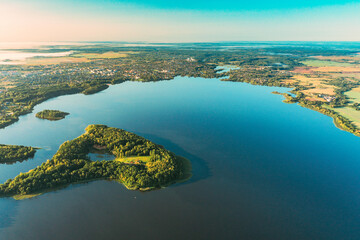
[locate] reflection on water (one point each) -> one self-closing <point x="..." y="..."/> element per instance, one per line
<point x="100" y="156"/>
<point x="226" y="68"/>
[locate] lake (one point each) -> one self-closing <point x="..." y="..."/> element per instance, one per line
<point x="262" y="169"/>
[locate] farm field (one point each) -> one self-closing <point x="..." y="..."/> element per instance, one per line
<point x="349" y="59"/>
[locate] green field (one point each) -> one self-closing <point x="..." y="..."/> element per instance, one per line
<point x="133" y="159"/>
<point x="350" y="113"/>
<point x="321" y="63"/>
<point x="354" y="96"/>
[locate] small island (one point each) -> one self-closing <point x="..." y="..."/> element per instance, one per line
<point x="52" y="115"/>
<point x="139" y="164"/>
<point x="14" y="153"/>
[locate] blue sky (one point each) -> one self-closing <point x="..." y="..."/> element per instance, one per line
<point x="228" y="5"/>
<point x="179" y="21"/>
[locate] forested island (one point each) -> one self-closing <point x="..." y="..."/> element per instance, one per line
<point x="140" y="164"/>
<point x="13" y="153"/>
<point x="52" y="115"/>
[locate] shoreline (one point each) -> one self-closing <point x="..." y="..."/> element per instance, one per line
<point x="288" y="99"/>
<point x="187" y="174"/>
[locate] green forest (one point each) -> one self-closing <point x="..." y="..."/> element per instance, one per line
<point x="71" y="164"/>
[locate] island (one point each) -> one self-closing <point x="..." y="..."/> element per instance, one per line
<point x="14" y="153"/>
<point x="139" y="164"/>
<point x="53" y="115"/>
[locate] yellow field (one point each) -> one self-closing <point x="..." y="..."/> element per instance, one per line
<point x="103" y="55"/>
<point x="52" y="60"/>
<point x="346" y="75"/>
<point x="316" y="85"/>
<point x="133" y="159"/>
<point x="309" y="81"/>
<point x="326" y="90"/>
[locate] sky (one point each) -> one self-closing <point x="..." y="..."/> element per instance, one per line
<point x="179" y="21"/>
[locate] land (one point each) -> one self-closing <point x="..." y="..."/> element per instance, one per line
<point x="14" y="153"/>
<point x="328" y="84"/>
<point x="325" y="78"/>
<point x="140" y="164"/>
<point x="53" y="115"/>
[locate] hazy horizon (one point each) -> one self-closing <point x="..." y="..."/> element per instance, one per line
<point x="173" y="22"/>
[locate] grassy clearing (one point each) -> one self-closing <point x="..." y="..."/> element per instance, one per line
<point x="349" y="113"/>
<point x="134" y="159"/>
<point x="354" y="95"/>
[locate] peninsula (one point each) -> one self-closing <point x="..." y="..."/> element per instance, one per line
<point x="140" y="164"/>
<point x="13" y="153"/>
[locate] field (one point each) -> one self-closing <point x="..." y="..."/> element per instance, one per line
<point x="326" y="91"/>
<point x="318" y="76"/>
<point x="349" y="59"/>
<point x="316" y="86"/>
<point x="107" y="55"/>
<point x="51" y="61"/>
<point x="322" y="63"/>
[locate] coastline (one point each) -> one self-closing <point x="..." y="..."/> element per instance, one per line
<point x="288" y="99"/>
<point x="187" y="174"/>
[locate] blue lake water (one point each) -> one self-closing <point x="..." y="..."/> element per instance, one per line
<point x="101" y="156"/>
<point x="262" y="169"/>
